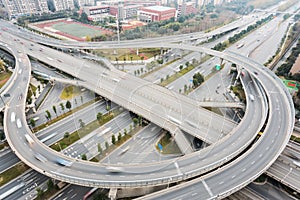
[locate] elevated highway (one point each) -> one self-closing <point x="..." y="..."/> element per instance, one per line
<point x="278" y="126"/>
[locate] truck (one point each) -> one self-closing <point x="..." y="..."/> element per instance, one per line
<point x="19" y="123"/>
<point x="251" y="97"/>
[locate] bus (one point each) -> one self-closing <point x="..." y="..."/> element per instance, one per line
<point x="40" y="157"/>
<point x="63" y="162"/>
<point x="174" y="120"/>
<point x="29" y="139"/>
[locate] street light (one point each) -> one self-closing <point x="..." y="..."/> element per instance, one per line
<point x="291" y="169"/>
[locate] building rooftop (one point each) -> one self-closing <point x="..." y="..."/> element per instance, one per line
<point x="159" y="8"/>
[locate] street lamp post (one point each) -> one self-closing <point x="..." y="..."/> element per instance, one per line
<point x="291" y="169"/>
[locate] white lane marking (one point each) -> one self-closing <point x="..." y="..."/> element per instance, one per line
<point x="207" y="188"/>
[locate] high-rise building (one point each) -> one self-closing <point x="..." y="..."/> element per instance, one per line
<point x="82" y="3"/>
<point x="16" y="8"/>
<point x="63" y="4"/>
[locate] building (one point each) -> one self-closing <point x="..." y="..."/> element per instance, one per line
<point x="82" y="3"/>
<point x="156" y="13"/>
<point x="16" y="8"/>
<point x="63" y="4"/>
<point x="125" y="12"/>
<point x="97" y="13"/>
<point x="186" y="8"/>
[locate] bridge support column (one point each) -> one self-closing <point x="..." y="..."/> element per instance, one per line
<point x="182" y="142"/>
<point x="113" y="193"/>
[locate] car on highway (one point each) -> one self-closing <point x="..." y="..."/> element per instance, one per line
<point x="114" y="169"/>
<point x="251" y="97"/>
<point x="13" y="117"/>
<point x="19" y="123"/>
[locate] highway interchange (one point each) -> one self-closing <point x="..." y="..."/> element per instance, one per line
<point x="272" y="94"/>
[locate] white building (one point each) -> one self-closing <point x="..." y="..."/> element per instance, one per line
<point x="63" y="4"/>
<point x="16" y="8"/>
<point x="82" y="3"/>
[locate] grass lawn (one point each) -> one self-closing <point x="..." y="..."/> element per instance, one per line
<point x="70" y="92"/>
<point x="4" y="77"/>
<point x="169" y="145"/>
<point x="75" y="136"/>
<point x="76" y="30"/>
<point x="52" y="121"/>
<point x="128" y="54"/>
<point x="177" y="75"/>
<point x="12" y="173"/>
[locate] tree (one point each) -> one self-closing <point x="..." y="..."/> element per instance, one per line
<point x="107" y="107"/>
<point x="113" y="139"/>
<point x="106" y="145"/>
<point x="161" y="80"/>
<point x="40" y="193"/>
<point x="32" y="122"/>
<point x="62" y="107"/>
<point x="99" y="116"/>
<point x="66" y="135"/>
<point x="119" y="136"/>
<point x="131" y="58"/>
<point x="99" y="148"/>
<point x="48" y="114"/>
<point x="88" y="38"/>
<point x="135" y="122"/>
<point x="142" y="58"/>
<point x="125" y="131"/>
<point x="167" y="77"/>
<point x="198" y="79"/>
<point x="68" y="105"/>
<point x="54" y="109"/>
<point x="130" y="128"/>
<point x="83" y="157"/>
<point x="50" y="184"/>
<point x="181" y="67"/>
<point x="81" y="123"/>
<point x="84" y="17"/>
<point x="187" y="64"/>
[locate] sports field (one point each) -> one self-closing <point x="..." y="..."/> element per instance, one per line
<point x="71" y="29"/>
<point x="77" y="30"/>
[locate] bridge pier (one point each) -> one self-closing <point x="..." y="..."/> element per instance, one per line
<point x="182" y="142"/>
<point x="113" y="193"/>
